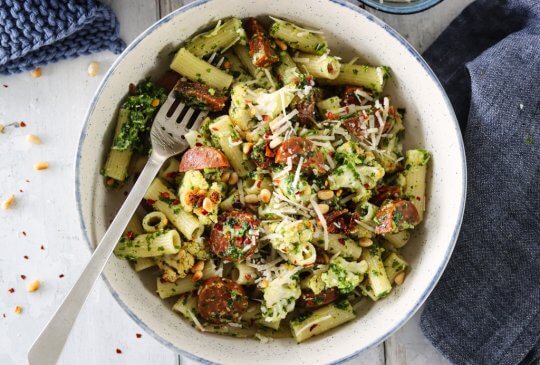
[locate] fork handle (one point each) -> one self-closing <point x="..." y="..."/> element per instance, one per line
<point x="49" y="344"/>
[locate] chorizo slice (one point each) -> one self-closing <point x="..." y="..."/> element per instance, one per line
<point x="202" y="157"/>
<point x="395" y="216"/>
<point x="221" y="300"/>
<point x="297" y="147"/>
<point x="261" y="50"/>
<point x="234" y="236"/>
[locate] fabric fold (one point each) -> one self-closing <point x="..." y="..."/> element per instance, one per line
<point x="486" y="308"/>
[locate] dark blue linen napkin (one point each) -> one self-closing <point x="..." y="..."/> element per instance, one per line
<point x="37" y="32"/>
<point x="486" y="308"/>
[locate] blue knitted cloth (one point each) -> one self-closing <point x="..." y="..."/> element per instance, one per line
<point x="37" y="32"/>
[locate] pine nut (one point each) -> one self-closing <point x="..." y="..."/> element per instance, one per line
<point x="197" y="276"/>
<point x="324" y="208"/>
<point x="275" y="142"/>
<point x="325" y="194"/>
<point x="36" y="73"/>
<point x="225" y="176"/>
<point x="33" y="286"/>
<point x="208" y="204"/>
<point x="199" y="266"/>
<point x="264" y="284"/>
<point x="247" y="147"/>
<point x="93" y="69"/>
<point x="33" y="139"/>
<point x="265" y="195"/>
<point x="155" y="103"/>
<point x="6" y="204"/>
<point x="282" y="45"/>
<point x="339" y="192"/>
<point x="233" y="179"/>
<point x="251" y="199"/>
<point x="41" y="165"/>
<point x="365" y="242"/>
<point x="400" y="278"/>
<point x="227" y="65"/>
<point x="18" y="309"/>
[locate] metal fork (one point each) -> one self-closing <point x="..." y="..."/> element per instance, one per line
<point x="167" y="141"/>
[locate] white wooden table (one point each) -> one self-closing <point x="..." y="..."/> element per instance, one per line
<point x="40" y="236"/>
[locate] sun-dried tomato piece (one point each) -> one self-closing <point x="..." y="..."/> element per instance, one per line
<point x="396" y="215"/>
<point x="341" y="221"/>
<point x="260" y="47"/>
<point x="199" y="96"/>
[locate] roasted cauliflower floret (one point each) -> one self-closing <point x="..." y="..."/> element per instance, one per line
<point x="175" y="266"/>
<point x="199" y="197"/>
<point x="281" y="294"/>
<point x="344" y="275"/>
<point x="198" y="249"/>
<point x="356" y="170"/>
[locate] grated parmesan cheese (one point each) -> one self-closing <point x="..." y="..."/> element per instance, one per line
<point x="322" y="220"/>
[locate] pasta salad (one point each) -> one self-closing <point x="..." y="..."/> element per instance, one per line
<point x="295" y="197"/>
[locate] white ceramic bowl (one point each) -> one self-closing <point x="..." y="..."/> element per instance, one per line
<point x="430" y="123"/>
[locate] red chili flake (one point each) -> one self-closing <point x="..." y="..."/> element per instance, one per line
<point x="26" y="257"/>
<point x="215" y="129"/>
<point x="297" y="193"/>
<point x="175" y="202"/>
<point x="138" y="335"/>
<point x="198" y="144"/>
<point x="248" y="276"/>
<point x="130" y="235"/>
<point x="11" y="290"/>
<point x="341" y="240"/>
<point x="330" y="115"/>
<point x="259" y="183"/>
<point x="22" y="124"/>
<point x="61" y="276"/>
<point x="41" y="247"/>
<point x="23" y="277"/>
<point x="151" y="201"/>
<point x="237" y="226"/>
<point x="204" y="212"/>
<point x="24" y="233"/>
<point x="164" y="194"/>
<point x="118" y="351"/>
<point x="265" y="117"/>
<point x="21" y="190"/>
<point x="417" y="198"/>
<point x="313" y="327"/>
<point x="366" y="186"/>
<point x="347" y="109"/>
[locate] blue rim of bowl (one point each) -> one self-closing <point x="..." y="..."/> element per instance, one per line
<point x="411" y="8"/>
<point x="371" y="18"/>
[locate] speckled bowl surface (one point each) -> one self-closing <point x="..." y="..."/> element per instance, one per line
<point x="430" y="123"/>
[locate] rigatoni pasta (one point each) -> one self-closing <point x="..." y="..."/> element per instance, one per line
<point x="295" y="196"/>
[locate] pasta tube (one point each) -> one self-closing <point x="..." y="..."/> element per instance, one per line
<point x="244" y="274"/>
<point x="305" y="40"/>
<point x="149" y="245"/>
<point x="394" y="264"/>
<point x="377" y="279"/>
<point x="154" y="221"/>
<point x="198" y="70"/>
<point x="321" y="320"/>
<point x="230" y="144"/>
<point x="222" y="37"/>
<point x="415" y="175"/>
<point x="324" y="66"/>
<point x="180" y="286"/>
<point x="117" y="163"/>
<point x="263" y="77"/>
<point x="164" y="200"/>
<point x="373" y="78"/>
